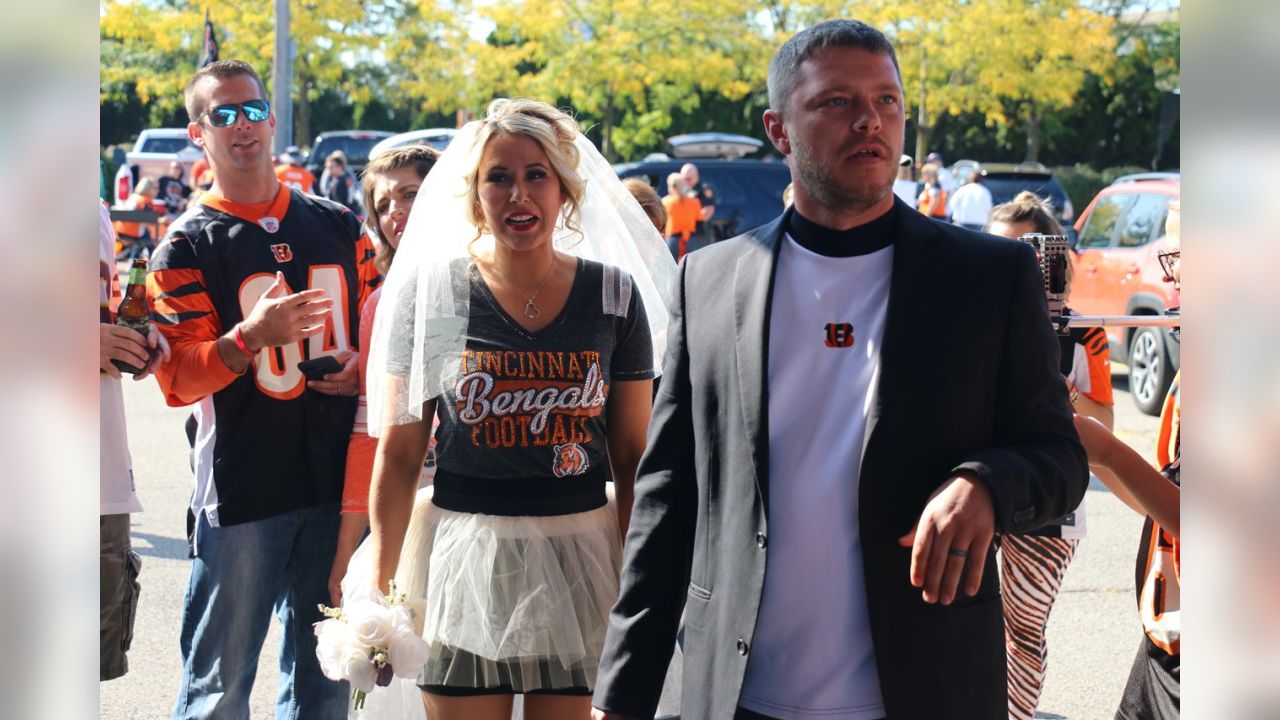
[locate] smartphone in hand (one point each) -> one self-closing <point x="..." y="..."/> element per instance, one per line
<point x="317" y="368"/>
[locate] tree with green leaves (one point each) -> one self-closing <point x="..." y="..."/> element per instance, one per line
<point x="151" y="48"/>
<point x="622" y="63"/>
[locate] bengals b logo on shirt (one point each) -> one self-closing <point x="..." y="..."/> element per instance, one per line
<point x="282" y="252"/>
<point x="839" y="335"/>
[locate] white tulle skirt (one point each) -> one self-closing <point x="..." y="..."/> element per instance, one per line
<point x="507" y="601"/>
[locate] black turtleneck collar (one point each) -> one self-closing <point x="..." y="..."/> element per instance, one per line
<point x="861" y="240"/>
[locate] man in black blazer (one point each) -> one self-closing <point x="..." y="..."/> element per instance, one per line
<point x="855" y="399"/>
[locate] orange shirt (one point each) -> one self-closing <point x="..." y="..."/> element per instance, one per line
<point x="199" y="171"/>
<point x="933" y="202"/>
<point x="296" y="177"/>
<point x="683" y="213"/>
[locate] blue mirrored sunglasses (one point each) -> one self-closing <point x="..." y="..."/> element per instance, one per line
<point x="255" y="111"/>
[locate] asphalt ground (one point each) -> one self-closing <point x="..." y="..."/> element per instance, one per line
<point x="1093" y="632"/>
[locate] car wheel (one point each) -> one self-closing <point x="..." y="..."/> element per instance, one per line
<point x="1149" y="371"/>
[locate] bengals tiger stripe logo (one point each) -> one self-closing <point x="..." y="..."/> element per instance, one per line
<point x="570" y="459"/>
<point x="839" y="335"/>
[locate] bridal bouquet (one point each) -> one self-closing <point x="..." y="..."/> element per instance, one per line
<point x="367" y="641"/>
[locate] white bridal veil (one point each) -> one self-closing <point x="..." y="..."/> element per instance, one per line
<point x="421" y="325"/>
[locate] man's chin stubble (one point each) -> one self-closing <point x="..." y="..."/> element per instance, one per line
<point x="827" y="193"/>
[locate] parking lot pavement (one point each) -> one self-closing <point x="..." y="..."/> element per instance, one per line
<point x="1093" y="632"/>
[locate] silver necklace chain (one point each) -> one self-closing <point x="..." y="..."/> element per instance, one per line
<point x="531" y="310"/>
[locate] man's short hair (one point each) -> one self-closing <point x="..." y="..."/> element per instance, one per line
<point x="785" y="66"/>
<point x="220" y="70"/>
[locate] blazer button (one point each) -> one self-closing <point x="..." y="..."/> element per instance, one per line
<point x="742" y="647"/>
<point x="761" y="540"/>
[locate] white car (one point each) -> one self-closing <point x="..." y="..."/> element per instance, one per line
<point x="438" y="138"/>
<point x="154" y="149"/>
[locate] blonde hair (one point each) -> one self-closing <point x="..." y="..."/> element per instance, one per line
<point x="1173" y="222"/>
<point x="146" y="186"/>
<point x="554" y="131"/>
<point x="675" y="183"/>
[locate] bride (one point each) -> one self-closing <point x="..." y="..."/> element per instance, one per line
<point x="526" y="312"/>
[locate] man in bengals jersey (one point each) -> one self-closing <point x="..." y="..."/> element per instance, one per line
<point x="251" y="281"/>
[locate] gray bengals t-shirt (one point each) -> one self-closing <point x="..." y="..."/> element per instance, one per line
<point x="530" y="405"/>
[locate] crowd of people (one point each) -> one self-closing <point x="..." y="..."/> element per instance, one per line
<point x="584" y="447"/>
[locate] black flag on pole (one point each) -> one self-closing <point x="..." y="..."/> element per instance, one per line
<point x="210" y="42"/>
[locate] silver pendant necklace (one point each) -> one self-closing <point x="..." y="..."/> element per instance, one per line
<point x="531" y="310"/>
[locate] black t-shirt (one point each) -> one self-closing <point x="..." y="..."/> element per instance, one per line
<point x="341" y="189"/>
<point x="531" y="406"/>
<point x="171" y="193"/>
<point x="706" y="194"/>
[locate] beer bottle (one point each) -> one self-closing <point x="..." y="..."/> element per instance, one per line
<point x="133" y="312"/>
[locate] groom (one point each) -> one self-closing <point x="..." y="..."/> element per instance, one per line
<point x="838" y="436"/>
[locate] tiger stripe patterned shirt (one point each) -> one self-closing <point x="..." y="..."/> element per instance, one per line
<point x="265" y="443"/>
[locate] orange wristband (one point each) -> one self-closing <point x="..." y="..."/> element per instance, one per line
<point x="240" y="343"/>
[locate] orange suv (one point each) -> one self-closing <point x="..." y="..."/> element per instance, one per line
<point x="1117" y="273"/>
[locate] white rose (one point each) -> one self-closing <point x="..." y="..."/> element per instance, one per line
<point x="333" y="638"/>
<point x="358" y="669"/>
<point x="407" y="653"/>
<point x="371" y="623"/>
<point x="401" y="616"/>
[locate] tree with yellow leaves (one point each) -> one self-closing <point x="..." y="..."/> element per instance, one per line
<point x="989" y="56"/>
<point x="624" y="63"/>
<point x="158" y="46"/>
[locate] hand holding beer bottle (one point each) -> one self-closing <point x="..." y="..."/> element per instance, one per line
<point x="132" y="345"/>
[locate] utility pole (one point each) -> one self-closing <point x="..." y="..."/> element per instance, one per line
<point x="282" y="80"/>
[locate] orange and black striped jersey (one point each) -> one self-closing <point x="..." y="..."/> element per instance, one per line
<point x="265" y="443"/>
<point x="1086" y="360"/>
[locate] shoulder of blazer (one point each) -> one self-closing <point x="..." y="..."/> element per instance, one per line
<point x="952" y="242"/>
<point x="722" y="256"/>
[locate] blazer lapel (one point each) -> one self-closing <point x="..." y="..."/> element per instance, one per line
<point x="753" y="293"/>
<point x="912" y="313"/>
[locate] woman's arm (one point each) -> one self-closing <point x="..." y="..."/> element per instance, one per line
<point x="396" y="469"/>
<point x="630" y="403"/>
<point x="1144" y="488"/>
<point x="1105" y="414"/>
<point x="351" y="527"/>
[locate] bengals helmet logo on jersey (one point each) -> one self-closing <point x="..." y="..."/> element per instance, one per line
<point x="571" y="459"/>
<point x="282" y="252"/>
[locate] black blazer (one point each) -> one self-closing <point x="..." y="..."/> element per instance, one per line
<point x="969" y="381"/>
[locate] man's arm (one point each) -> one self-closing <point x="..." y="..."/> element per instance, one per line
<point x="204" y="357"/>
<point x="1036" y="470"/>
<point x="659" y="545"/>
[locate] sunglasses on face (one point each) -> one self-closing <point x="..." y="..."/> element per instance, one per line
<point x="255" y="111"/>
<point x="1169" y="261"/>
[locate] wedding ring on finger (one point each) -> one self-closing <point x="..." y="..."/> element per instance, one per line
<point x="957" y="552"/>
